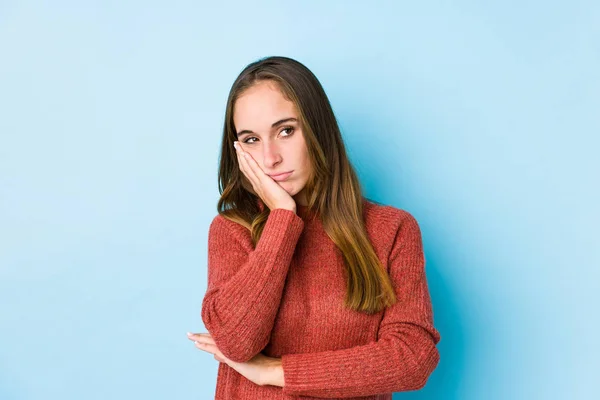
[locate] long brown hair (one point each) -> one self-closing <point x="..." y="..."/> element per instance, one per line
<point x="333" y="190"/>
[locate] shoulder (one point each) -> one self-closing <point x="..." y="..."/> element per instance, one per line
<point x="222" y="229"/>
<point x="220" y="222"/>
<point x="389" y="226"/>
<point x="388" y="217"/>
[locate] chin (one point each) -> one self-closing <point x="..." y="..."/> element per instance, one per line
<point x="291" y="189"/>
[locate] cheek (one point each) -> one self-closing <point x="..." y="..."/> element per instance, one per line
<point x="306" y="165"/>
<point x="256" y="155"/>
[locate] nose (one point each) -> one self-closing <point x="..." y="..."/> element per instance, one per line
<point x="271" y="155"/>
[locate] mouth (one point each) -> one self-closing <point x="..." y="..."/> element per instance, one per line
<point x="281" y="177"/>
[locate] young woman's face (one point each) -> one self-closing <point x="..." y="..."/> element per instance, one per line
<point x="262" y="119"/>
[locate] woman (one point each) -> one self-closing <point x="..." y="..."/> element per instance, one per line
<point x="313" y="290"/>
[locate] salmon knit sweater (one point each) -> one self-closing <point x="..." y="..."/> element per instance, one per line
<point x="285" y="298"/>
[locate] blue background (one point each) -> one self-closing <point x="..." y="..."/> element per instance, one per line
<point x="482" y="120"/>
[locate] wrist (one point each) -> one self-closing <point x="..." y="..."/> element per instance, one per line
<point x="289" y="208"/>
<point x="275" y="374"/>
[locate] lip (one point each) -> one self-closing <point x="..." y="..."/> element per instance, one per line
<point x="282" y="176"/>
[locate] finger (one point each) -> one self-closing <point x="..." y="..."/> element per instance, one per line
<point x="254" y="167"/>
<point x="243" y="165"/>
<point x="250" y="173"/>
<point x="214" y="350"/>
<point x="205" y="341"/>
<point x="203" y="337"/>
<point x="244" y="156"/>
<point x="238" y="154"/>
<point x="209" y="348"/>
<point x="219" y="359"/>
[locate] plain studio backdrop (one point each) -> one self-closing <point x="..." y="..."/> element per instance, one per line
<point x="479" y="118"/>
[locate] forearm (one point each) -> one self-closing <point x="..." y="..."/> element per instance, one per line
<point x="240" y="314"/>
<point x="245" y="285"/>
<point x="392" y="364"/>
<point x="275" y="373"/>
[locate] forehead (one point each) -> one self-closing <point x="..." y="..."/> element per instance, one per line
<point x="261" y="105"/>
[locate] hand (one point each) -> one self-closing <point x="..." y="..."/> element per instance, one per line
<point x="261" y="370"/>
<point x="271" y="193"/>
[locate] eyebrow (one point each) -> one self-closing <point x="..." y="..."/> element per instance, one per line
<point x="275" y="124"/>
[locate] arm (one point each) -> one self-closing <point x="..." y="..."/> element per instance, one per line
<point x="245" y="285"/>
<point x="405" y="352"/>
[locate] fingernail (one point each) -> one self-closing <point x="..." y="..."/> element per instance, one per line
<point x="189" y="334"/>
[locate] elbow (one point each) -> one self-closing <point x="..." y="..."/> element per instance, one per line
<point x="209" y="316"/>
<point x="234" y="346"/>
<point x="239" y="355"/>
<point x="424" y="368"/>
<point x="238" y="349"/>
<point x="208" y="312"/>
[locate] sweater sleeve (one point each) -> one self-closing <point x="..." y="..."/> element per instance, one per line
<point x="405" y="352"/>
<point x="245" y="285"/>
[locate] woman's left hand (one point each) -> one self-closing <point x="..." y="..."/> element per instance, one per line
<point x="260" y="369"/>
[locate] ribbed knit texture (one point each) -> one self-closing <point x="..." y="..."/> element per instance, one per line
<point x="285" y="298"/>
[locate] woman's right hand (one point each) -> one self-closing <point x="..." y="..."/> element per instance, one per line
<point x="270" y="192"/>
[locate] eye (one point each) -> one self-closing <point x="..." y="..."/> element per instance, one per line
<point x="287" y="128"/>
